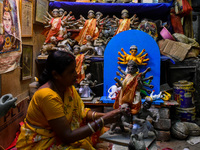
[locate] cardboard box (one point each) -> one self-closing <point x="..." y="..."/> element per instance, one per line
<point x="174" y="49"/>
<point x="9" y="124"/>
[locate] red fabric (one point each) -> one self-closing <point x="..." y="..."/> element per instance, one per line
<point x="88" y="29"/>
<point x="79" y="63"/>
<point x="45" y="32"/>
<point x="121" y="28"/>
<point x="12" y="146"/>
<point x="54" y="31"/>
<point x="186" y="8"/>
<point x="128" y="96"/>
<point x="176" y="22"/>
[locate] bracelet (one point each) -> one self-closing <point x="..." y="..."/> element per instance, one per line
<point x="102" y="121"/>
<point x="93" y="115"/>
<point x="98" y="125"/>
<point x="91" y="127"/>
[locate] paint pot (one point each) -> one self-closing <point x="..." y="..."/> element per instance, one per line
<point x="183" y="93"/>
<point x="186" y="114"/>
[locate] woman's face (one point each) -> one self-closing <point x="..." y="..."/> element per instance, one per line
<point x="69" y="76"/>
<point x="7" y="21"/>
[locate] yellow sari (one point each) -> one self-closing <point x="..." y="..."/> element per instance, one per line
<point x="46" y="103"/>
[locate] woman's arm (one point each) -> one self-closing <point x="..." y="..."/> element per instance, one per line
<point x="93" y="115"/>
<point x="63" y="131"/>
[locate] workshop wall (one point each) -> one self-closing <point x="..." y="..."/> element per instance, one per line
<point x="11" y="82"/>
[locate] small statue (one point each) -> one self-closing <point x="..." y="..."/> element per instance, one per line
<point x="107" y="35"/>
<point x="7" y="101"/>
<point x="67" y="43"/>
<point x="90" y="28"/>
<point x="66" y="18"/>
<point x="148" y="27"/>
<point x="85" y="84"/>
<point x="81" y="66"/>
<point x="124" y="121"/>
<point x="140" y="119"/>
<point x="69" y="22"/>
<point x="88" y="47"/>
<point x="139" y="59"/>
<point x="137" y="142"/>
<point x="76" y="50"/>
<point x="100" y="44"/>
<point x="132" y="83"/>
<point x="46" y="48"/>
<point x="113" y="90"/>
<point x="153" y="96"/>
<point x="124" y="23"/>
<point x="165" y="96"/>
<point x="55" y="25"/>
<point x="101" y="21"/>
<point x="87" y="80"/>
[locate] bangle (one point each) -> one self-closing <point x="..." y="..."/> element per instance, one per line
<point x="98" y="125"/>
<point x="91" y="127"/>
<point x="102" y="121"/>
<point x="93" y="115"/>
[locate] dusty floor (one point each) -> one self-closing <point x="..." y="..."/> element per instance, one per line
<point x="173" y="144"/>
<point x="177" y="145"/>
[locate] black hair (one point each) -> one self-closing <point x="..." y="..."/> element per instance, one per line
<point x="133" y="63"/>
<point x="58" y="61"/>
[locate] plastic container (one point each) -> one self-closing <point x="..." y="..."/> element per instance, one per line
<point x="166" y="34"/>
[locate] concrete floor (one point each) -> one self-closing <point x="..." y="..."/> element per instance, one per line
<point x="177" y="145"/>
<point x="172" y="144"/>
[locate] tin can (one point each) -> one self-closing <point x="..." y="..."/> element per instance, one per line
<point x="183" y="93"/>
<point x="186" y="114"/>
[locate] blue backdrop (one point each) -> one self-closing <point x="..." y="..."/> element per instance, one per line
<point x="153" y="11"/>
<point x="124" y="40"/>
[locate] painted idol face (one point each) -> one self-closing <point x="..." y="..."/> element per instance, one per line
<point x="7" y="21"/>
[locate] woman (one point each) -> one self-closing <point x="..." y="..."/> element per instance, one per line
<point x="56" y="111"/>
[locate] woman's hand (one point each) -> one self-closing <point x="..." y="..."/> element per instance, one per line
<point x="112" y="116"/>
